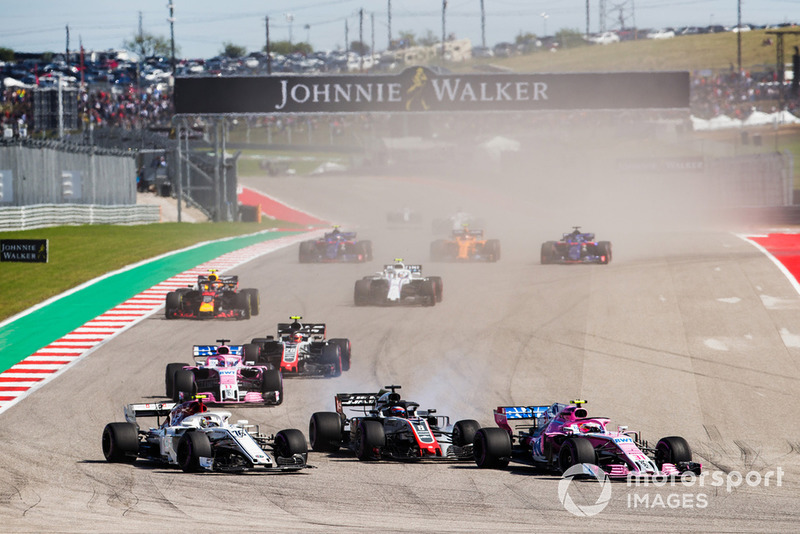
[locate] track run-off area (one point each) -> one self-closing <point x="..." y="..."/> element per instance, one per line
<point x="690" y="330"/>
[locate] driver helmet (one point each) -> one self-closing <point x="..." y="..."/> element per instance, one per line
<point x="397" y="411"/>
<point x="297" y="337"/>
<point x="587" y="428"/>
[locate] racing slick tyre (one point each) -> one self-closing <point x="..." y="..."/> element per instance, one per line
<point x="672" y="450"/>
<point x="251" y="352"/>
<point x="364" y="249"/>
<point x="576" y="451"/>
<point x="169" y="376"/>
<point x="369" y="439"/>
<point x="290" y="442"/>
<point x="306" y="254"/>
<point x="604" y="251"/>
<point x="429" y="292"/>
<point x="464" y="432"/>
<point x="325" y="431"/>
<point x="361" y="292"/>
<point x="492" y="249"/>
<point x="255" y="300"/>
<point x="244" y="303"/>
<point x="272" y="382"/>
<point x="438" y="287"/>
<point x="491" y="448"/>
<point x="332" y="354"/>
<point x="548" y="252"/>
<point x="173" y="304"/>
<point x="344" y="350"/>
<point x="120" y="442"/>
<point x="184" y="383"/>
<point x="191" y="447"/>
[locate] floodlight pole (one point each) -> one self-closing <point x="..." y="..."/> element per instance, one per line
<point x="269" y="57"/>
<point x="739" y="36"/>
<point x="171" y="21"/>
<point x="483" y="26"/>
<point x="444" y="10"/>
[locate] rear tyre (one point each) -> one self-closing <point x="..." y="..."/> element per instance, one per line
<point x="491" y="448"/>
<point x="438" y="287"/>
<point x="429" y="293"/>
<point x="306" y="254"/>
<point x="370" y="439"/>
<point x="332" y="355"/>
<point x="243" y="303"/>
<point x="290" y="442"/>
<point x="364" y="248"/>
<point x="173" y="304"/>
<point x="169" y="376"/>
<point x="272" y="383"/>
<point x="492" y="249"/>
<point x="255" y="300"/>
<point x="191" y="447"/>
<point x="548" y="252"/>
<point x="120" y="442"/>
<point x="184" y="384"/>
<point x="344" y="350"/>
<point x="576" y="451"/>
<point x="604" y="251"/>
<point x="464" y="432"/>
<point x="251" y="352"/>
<point x="325" y="431"/>
<point x="672" y="450"/>
<point x="361" y="292"/>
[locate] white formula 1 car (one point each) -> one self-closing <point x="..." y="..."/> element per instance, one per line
<point x="398" y="283"/>
<point x="196" y="439"/>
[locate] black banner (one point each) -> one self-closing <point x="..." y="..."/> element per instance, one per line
<point x="419" y="89"/>
<point x="24" y="250"/>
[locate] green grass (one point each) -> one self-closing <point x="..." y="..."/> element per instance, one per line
<point x="81" y="253"/>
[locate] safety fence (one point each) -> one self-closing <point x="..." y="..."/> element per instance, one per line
<point x="44" y="215"/>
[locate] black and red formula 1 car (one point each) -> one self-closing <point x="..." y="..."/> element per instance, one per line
<point x="335" y="247"/>
<point x="576" y="247"/>
<point x="383" y="425"/>
<point x="213" y="297"/>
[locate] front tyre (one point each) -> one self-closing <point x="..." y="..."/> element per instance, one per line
<point x="464" y="432"/>
<point x="272" y="384"/>
<point x="576" y="451"/>
<point x="672" y="450"/>
<point x="192" y="447"/>
<point x="370" y="439"/>
<point x="290" y="442"/>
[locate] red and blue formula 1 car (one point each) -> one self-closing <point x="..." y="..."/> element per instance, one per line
<point x="558" y="436"/>
<point x="576" y="247"/>
<point x="214" y="297"/>
<point x="223" y="377"/>
<point x="383" y="425"/>
<point x="335" y="247"/>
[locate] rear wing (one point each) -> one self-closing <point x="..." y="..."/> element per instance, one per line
<point x="357" y="402"/>
<point x="211" y="350"/>
<point x="159" y="409"/>
<point x="514" y="418"/>
<point x="307" y="329"/>
<point x="230" y="281"/>
<point x="465" y="233"/>
<point x="413" y="268"/>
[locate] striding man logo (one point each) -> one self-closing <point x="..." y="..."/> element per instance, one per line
<point x="415" y="97"/>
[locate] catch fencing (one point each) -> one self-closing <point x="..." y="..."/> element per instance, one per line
<point x="46" y="172"/>
<point x="44" y="215"/>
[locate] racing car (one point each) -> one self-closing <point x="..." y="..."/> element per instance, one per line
<point x="386" y="426"/>
<point x="465" y="245"/>
<point x="221" y="374"/>
<point x="558" y="436"/>
<point x="195" y="438"/>
<point x="214" y="296"/>
<point x="335" y="247"/>
<point x="455" y="222"/>
<point x="301" y="349"/>
<point x="576" y="247"/>
<point x="398" y="283"/>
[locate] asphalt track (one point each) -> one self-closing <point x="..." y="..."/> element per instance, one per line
<point x="688" y="331"/>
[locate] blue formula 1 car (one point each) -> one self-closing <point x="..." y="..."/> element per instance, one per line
<point x="336" y="247"/>
<point x="576" y="247"/>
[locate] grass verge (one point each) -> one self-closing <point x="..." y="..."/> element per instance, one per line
<point x="81" y="253"/>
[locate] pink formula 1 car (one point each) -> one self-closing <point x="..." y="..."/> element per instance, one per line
<point x="558" y="436"/>
<point x="221" y="375"/>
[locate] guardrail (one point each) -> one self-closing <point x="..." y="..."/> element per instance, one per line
<point x="44" y="215"/>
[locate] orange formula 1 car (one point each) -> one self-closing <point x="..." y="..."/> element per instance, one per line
<point x="465" y="245"/>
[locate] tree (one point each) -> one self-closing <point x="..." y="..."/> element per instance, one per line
<point x="429" y="39"/>
<point x="233" y="51"/>
<point x="524" y="38"/>
<point x="570" y="38"/>
<point x="6" y="54"/>
<point x="147" y="44"/>
<point x="406" y="39"/>
<point x="285" y="48"/>
<point x="359" y="48"/>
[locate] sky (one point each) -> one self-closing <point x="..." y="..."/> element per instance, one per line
<point x="202" y="26"/>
